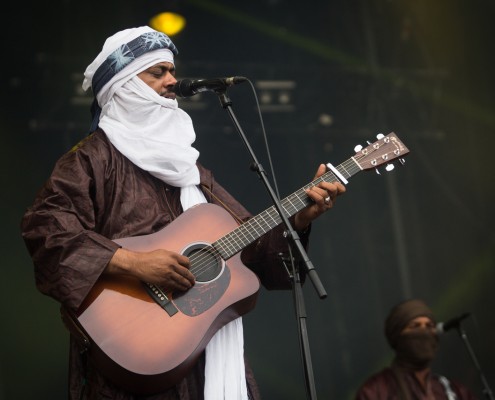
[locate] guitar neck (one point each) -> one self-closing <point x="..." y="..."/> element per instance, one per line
<point x="262" y="223"/>
<point x="383" y="151"/>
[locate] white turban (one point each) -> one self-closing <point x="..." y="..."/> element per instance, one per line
<point x="124" y="55"/>
<point x="122" y="48"/>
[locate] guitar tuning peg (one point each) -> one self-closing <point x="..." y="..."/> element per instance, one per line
<point x="380" y="136"/>
<point x="358" y="148"/>
<point x="402" y="161"/>
<point x="389" y="167"/>
<point x="377" y="171"/>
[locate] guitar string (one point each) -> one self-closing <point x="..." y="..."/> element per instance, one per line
<point x="348" y="167"/>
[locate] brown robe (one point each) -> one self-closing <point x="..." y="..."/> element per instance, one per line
<point x="95" y="195"/>
<point x="385" y="385"/>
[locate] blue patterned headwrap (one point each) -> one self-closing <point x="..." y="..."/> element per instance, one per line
<point x="118" y="52"/>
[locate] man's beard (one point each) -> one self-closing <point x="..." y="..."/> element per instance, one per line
<point x="416" y="350"/>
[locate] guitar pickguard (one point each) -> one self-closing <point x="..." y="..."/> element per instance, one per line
<point x="202" y="296"/>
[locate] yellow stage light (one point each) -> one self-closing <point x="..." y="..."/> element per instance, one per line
<point x="168" y="22"/>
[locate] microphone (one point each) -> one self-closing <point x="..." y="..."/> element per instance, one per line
<point x="443" y="327"/>
<point x="190" y="87"/>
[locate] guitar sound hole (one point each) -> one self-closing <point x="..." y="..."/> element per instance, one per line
<point x="206" y="263"/>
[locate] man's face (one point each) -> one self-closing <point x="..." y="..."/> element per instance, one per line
<point x="417" y="343"/>
<point x="420" y="323"/>
<point x="160" y="77"/>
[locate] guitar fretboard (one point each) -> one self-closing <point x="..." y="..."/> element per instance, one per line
<point x="262" y="223"/>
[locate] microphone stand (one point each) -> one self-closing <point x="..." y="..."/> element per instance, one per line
<point x="486" y="388"/>
<point x="301" y="319"/>
<point x="292" y="236"/>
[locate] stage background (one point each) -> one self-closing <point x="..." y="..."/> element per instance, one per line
<point x="331" y="75"/>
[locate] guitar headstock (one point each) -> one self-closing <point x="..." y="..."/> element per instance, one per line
<point x="384" y="151"/>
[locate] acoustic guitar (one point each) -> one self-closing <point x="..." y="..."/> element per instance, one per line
<point x="144" y="339"/>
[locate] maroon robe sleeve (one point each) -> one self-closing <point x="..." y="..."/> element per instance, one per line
<point x="380" y="386"/>
<point x="384" y="386"/>
<point x="59" y="230"/>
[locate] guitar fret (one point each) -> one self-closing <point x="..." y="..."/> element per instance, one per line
<point x="351" y="165"/>
<point x="243" y="231"/>
<point x="255" y="220"/>
<point x="273" y="214"/>
<point x="250" y="234"/>
<point x="292" y="205"/>
<point x="240" y="239"/>
<point x="343" y="171"/>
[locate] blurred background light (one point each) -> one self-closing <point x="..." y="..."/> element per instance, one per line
<point x="169" y="23"/>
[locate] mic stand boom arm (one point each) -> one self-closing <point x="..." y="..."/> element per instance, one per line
<point x="292" y="236"/>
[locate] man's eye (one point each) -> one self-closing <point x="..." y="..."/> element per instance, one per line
<point x="155" y="73"/>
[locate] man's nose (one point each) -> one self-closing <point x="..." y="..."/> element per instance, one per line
<point x="171" y="79"/>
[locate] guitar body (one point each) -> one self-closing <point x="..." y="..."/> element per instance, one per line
<point x="142" y="346"/>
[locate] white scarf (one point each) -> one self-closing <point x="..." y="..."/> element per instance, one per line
<point x="154" y="134"/>
<point x="157" y="136"/>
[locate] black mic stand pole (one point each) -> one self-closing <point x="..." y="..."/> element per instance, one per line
<point x="301" y="320"/>
<point x="486" y="388"/>
<point x="294" y="237"/>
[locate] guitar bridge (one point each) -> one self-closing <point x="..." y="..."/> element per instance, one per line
<point x="160" y="298"/>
